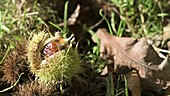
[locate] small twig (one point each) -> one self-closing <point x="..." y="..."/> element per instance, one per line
<point x="6" y="89"/>
<point x="98" y="23"/>
<point x="161" y="50"/>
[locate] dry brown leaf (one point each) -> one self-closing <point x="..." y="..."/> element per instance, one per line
<point x="73" y="17"/>
<point x="166" y="36"/>
<point x="131" y="53"/>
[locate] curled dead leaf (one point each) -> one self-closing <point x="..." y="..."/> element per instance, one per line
<point x="131" y="53"/>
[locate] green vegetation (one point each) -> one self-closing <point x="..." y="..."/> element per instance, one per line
<point x="20" y="20"/>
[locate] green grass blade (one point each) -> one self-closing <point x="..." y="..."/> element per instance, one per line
<point x="6" y="53"/>
<point x="110" y="29"/>
<point x="55" y="25"/>
<point x="110" y="85"/>
<point x="117" y="86"/>
<point x="94" y="36"/>
<point x="121" y="28"/>
<point x="113" y="21"/>
<point x="65" y="19"/>
<point x="126" y="86"/>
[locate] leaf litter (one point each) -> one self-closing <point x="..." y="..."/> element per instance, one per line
<point x="127" y="53"/>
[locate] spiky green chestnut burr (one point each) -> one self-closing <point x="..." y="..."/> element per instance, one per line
<point x="33" y="51"/>
<point x="60" y="67"/>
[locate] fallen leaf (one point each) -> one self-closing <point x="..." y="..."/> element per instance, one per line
<point x="131" y="53"/>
